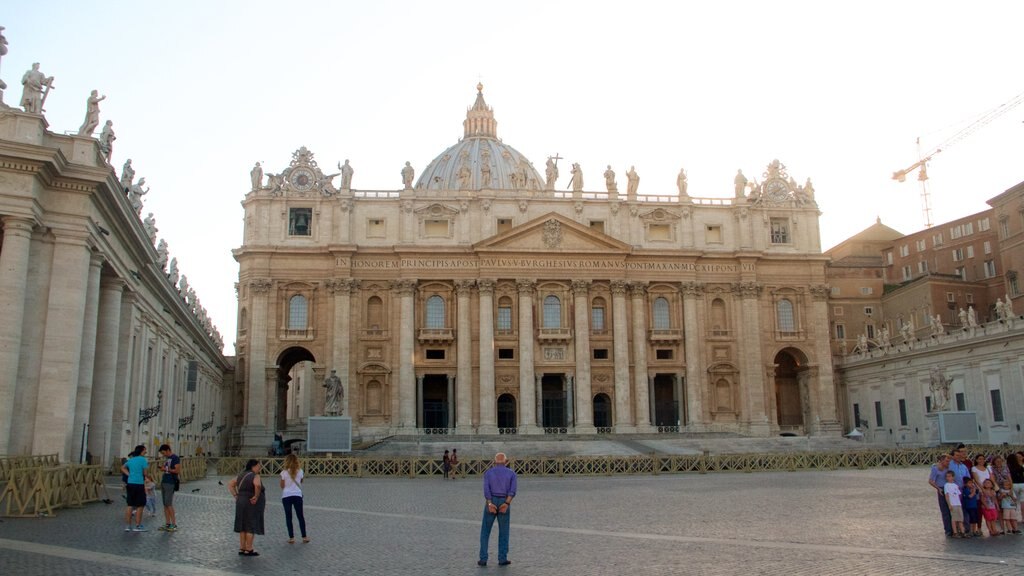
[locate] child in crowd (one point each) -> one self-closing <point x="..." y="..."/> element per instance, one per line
<point x="1011" y="512"/>
<point x="150" y="497"/>
<point x="990" y="507"/>
<point x="956" y="511"/>
<point x="971" y="498"/>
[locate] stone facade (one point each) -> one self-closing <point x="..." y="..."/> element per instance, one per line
<point x="482" y="300"/>
<point x="93" y="332"/>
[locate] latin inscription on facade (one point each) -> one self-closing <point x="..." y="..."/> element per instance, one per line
<point x="532" y="263"/>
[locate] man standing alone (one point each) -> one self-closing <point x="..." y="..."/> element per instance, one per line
<point x="499" y="490"/>
<point x="168" y="484"/>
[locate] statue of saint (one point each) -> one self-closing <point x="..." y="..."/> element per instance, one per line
<point x="550" y="173"/>
<point x="972" y="317"/>
<point x="135" y="194"/>
<point x="633" y="181"/>
<point x="884" y="336"/>
<point x="1000" y="309"/>
<point x="149" y="223"/>
<point x="485" y="171"/>
<point x="576" y="182"/>
<point x="92" y="114"/>
<point x="740" y="183"/>
<point x="107" y="138"/>
<point x="127" y="175"/>
<point x="465" y="176"/>
<point x="609" y="179"/>
<point x="172" y="272"/>
<point x="937" y="328"/>
<point x="256" y="175"/>
<point x="962" y="315"/>
<point x="335" y="392"/>
<point x="939" y="386"/>
<point x="35" y="87"/>
<point x="907" y="330"/>
<point x="161" y="254"/>
<point x="408" y="173"/>
<point x="346" y="175"/>
<point x="681" y="183"/>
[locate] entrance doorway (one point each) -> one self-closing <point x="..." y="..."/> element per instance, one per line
<point x="788" y="405"/>
<point x="435" y="401"/>
<point x="552" y="387"/>
<point x="602" y="411"/>
<point x="666" y="405"/>
<point x="288" y="360"/>
<point x="506" y="412"/>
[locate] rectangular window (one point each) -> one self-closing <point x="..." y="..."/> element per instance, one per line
<point x="869" y="330"/>
<point x="835" y="290"/>
<point x="997" y="405"/>
<point x="950" y="297"/>
<point x="780" y="230"/>
<point x="961" y="402"/>
<point x="868" y="310"/>
<point x="921" y="245"/>
<point x="903" y="411"/>
<point x="375" y="228"/>
<point x="597" y="225"/>
<point x="867" y="290"/>
<point x="713" y="234"/>
<point x="955" y="232"/>
<point x="958" y="254"/>
<point x="983" y="224"/>
<point x="300" y="221"/>
<point x="937" y="239"/>
<point x="663" y="354"/>
<point x="600" y="353"/>
<point x="959" y="271"/>
<point x="506" y="353"/>
<point x="907" y="273"/>
<point x="922" y="267"/>
<point x="659" y="232"/>
<point x="990" y="268"/>
<point x="433" y="354"/>
<point x="905" y="250"/>
<point x="504" y="225"/>
<point x="597" y="318"/>
<point x="970" y="298"/>
<point x="878" y="414"/>
<point x="987" y="247"/>
<point x="1014" y="288"/>
<point x="888" y="258"/>
<point x="435" y="228"/>
<point x="970" y="251"/>
<point x="856" y="415"/>
<point x="505" y="318"/>
<point x="840" y="332"/>
<point x="968" y="228"/>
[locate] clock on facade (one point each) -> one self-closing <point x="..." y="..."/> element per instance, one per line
<point x="301" y="179"/>
<point x="776" y="190"/>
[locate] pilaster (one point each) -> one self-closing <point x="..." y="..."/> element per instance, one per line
<point x="527" y="386"/>
<point x="464" y="357"/>
<point x="620" y="337"/>
<point x="582" y="389"/>
<point x="488" y="404"/>
<point x="14" y="259"/>
<point x="641" y="395"/>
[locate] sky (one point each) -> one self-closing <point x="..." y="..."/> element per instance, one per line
<point x="199" y="91"/>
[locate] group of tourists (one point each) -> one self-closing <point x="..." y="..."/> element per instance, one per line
<point x="140" y="488"/>
<point x="450" y="464"/>
<point x="983" y="491"/>
<point x="251" y="501"/>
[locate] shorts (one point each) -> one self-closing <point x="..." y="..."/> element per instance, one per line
<point x="990" y="514"/>
<point x="136" y="495"/>
<point x="1011" y="514"/>
<point x="168" y="491"/>
<point x="973" y="515"/>
<point x="956" y="513"/>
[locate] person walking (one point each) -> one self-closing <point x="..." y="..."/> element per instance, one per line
<point x="250" y="502"/>
<point x="291" y="496"/>
<point x="499" y="490"/>
<point x="136" y="468"/>
<point x="169" y="485"/>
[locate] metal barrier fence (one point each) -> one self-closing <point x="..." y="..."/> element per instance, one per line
<point x="363" y="467"/>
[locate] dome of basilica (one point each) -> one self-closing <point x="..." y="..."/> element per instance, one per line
<point x="480" y="161"/>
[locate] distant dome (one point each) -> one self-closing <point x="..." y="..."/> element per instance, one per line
<point x="480" y="160"/>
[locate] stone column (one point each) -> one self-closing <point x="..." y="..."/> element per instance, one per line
<point x="14" y="258"/>
<point x="527" y="386"/>
<point x="62" y="348"/>
<point x="751" y="371"/>
<point x="620" y="342"/>
<point x="101" y="409"/>
<point x="583" y="396"/>
<point x="538" y="389"/>
<point x="825" y="382"/>
<point x="451" y="400"/>
<point x="256" y="435"/>
<point x="641" y="406"/>
<point x="87" y="357"/>
<point x="407" y="398"/>
<point x="341" y="352"/>
<point x="419" y="400"/>
<point x="464" y="357"/>
<point x="680" y="401"/>
<point x="569" y="390"/>
<point x="488" y="407"/>
<point x="695" y="382"/>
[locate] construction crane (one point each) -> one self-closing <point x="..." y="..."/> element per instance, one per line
<point x="923" y="158"/>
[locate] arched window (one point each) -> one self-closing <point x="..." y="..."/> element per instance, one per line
<point x="784" y="316"/>
<point x="552" y="312"/>
<point x="504" y="314"/>
<point x="374" y="312"/>
<point x="661" y="317"/>
<point x="298" y="313"/>
<point x="597" y="308"/>
<point x="435" y="312"/>
<point x="718" y="323"/>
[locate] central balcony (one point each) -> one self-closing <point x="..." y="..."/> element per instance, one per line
<point x="550" y="335"/>
<point x="665" y="335"/>
<point x="436" y="335"/>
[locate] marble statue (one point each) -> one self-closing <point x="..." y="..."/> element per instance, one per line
<point x="962" y="315"/>
<point x="1000" y="309"/>
<point x="408" y="173"/>
<point x="107" y="138"/>
<point x="36" y="86"/>
<point x="907" y="330"/>
<point x="135" y="194"/>
<point x="346" y="175"/>
<point x="550" y="173"/>
<point x="127" y="175"/>
<point x="256" y="175"/>
<point x="972" y="317"/>
<point x="161" y="254"/>
<point x="884" y="336"/>
<point x="609" y="180"/>
<point x="809" y="189"/>
<point x="465" y="176"/>
<point x="149" y="223"/>
<point x="335" y="392"/>
<point x="739" y="183"/>
<point x="3" y="52"/>
<point x="862" y="343"/>
<point x="275" y="182"/>
<point x="576" y="182"/>
<point x="1009" y="306"/>
<point x="939" y="386"/>
<point x="485" y="171"/>
<point x="633" y="182"/>
<point x="172" y="272"/>
<point x="681" y="183"/>
<point x="937" y="328"/>
<point x="92" y="114"/>
<point x="183" y="285"/>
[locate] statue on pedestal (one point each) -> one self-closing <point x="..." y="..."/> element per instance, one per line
<point x="346" y="175"/>
<point x="36" y="87"/>
<point x="681" y="183"/>
<point x="92" y="114"/>
<point x="135" y="194"/>
<point x="576" y="182"/>
<point x="739" y="183"/>
<point x="107" y="138"/>
<point x="609" y="180"/>
<point x="408" y="173"/>
<point x="550" y="173"/>
<point x="172" y="272"/>
<point x="939" y="386"/>
<point x="1000" y="309"/>
<point x="937" y="328"/>
<point x="161" y="254"/>
<point x="332" y="401"/>
<point x="256" y="175"/>
<point x="972" y="317"/>
<point x="149" y="223"/>
<point x="127" y="175"/>
<point x="632" y="181"/>
<point x="3" y="52"/>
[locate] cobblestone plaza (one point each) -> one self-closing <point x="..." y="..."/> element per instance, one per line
<point x="877" y="521"/>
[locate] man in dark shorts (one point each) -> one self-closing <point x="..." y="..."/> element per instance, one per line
<point x="137" y="469"/>
<point x="168" y="485"/>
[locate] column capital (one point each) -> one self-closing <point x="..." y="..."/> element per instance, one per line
<point x="404" y="287"/>
<point x="619" y="287"/>
<point x="525" y="287"/>
<point x="638" y="289"/>
<point x="341" y="285"/>
<point x="580" y="287"/>
<point x="112" y="283"/>
<point x="693" y="289"/>
<point x="485" y="285"/>
<point x="18" y="223"/>
<point x="96" y="260"/>
<point x="747" y="289"/>
<point x="820" y="291"/>
<point x="260" y="285"/>
<point x="464" y="287"/>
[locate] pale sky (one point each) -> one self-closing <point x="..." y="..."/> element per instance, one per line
<point x="200" y="91"/>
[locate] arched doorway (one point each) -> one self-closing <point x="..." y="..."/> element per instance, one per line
<point x="287" y="361"/>
<point x="506" y="413"/>
<point x="602" y="411"/>
<point x="789" y="408"/>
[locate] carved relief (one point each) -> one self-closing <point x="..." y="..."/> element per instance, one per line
<point x="260" y="285"/>
<point x="525" y="287"/>
<point x="747" y="289"/>
<point x="554" y="353"/>
<point x="819" y="291"/>
<point x="552" y="234"/>
<point x="485" y="286"/>
<point x="580" y="287"/>
<point x="638" y="289"/>
<point x="404" y="287"/>
<point x="464" y="287"/>
<point x="693" y="289"/>
<point x="619" y="286"/>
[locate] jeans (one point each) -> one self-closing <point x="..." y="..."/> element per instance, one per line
<point x="289" y="503"/>
<point x="503" y="527"/>
<point x="947" y="522"/>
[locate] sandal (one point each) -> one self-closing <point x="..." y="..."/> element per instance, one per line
<point x="251" y="553"/>
<point x="241" y="551"/>
<point x="291" y="540"/>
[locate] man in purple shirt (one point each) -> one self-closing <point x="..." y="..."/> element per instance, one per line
<point x="499" y="490"/>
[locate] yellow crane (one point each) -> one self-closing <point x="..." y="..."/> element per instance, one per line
<point x="923" y="158"/>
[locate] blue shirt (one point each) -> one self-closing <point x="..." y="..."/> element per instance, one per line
<point x="137" y="466"/>
<point x="499" y="481"/>
<point x="960" y="471"/>
<point x="970" y="501"/>
<point x="938" y="477"/>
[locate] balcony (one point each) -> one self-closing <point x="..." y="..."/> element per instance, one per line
<point x="304" y="334"/>
<point x="435" y="335"/>
<point x="374" y="334"/>
<point x="665" y="335"/>
<point x="546" y="335"/>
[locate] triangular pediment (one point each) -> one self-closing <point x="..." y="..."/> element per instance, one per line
<point x="553" y="232"/>
<point x="660" y="215"/>
<point x="436" y="210"/>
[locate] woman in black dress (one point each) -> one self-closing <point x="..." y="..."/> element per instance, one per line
<point x="250" y="501"/>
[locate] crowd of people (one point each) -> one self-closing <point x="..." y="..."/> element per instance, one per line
<point x="983" y="491"/>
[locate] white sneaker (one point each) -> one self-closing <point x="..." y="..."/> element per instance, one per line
<point x="140" y="528"/>
<point x="128" y="528"/>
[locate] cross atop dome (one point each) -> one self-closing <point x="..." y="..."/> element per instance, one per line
<point x="480" y="122"/>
